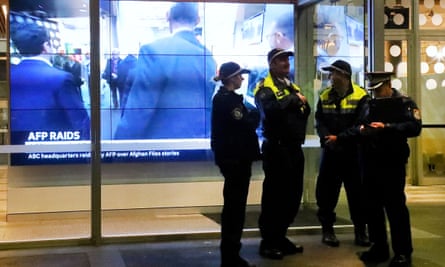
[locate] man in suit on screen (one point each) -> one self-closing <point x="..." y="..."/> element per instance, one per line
<point x="172" y="89"/>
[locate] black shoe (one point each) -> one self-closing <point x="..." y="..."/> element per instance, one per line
<point x="289" y="248"/>
<point x="329" y="238"/>
<point x="271" y="252"/>
<point x="400" y="261"/>
<point x="239" y="262"/>
<point x="362" y="239"/>
<point x="375" y="254"/>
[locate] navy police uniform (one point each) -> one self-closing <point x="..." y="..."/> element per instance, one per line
<point x="385" y="154"/>
<point x="284" y="118"/>
<point x="340" y="109"/>
<point x="235" y="145"/>
<point x="340" y="116"/>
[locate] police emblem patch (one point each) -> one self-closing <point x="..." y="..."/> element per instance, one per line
<point x="237" y="114"/>
<point x="416" y="114"/>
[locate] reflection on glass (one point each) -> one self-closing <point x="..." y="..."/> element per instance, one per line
<point x="433" y="152"/>
<point x="428" y="3"/>
<point x="397" y="84"/>
<point x="439" y="67"/>
<point x="402" y="69"/>
<point x="431" y="50"/>
<point x="431" y="84"/>
<point x="395" y="50"/>
<point x="437" y="19"/>
<point x="433" y="110"/>
<point x="424" y="67"/>
<point x="422" y="19"/>
<point x="389" y="67"/>
<point x="396" y="61"/>
<point x="339" y="33"/>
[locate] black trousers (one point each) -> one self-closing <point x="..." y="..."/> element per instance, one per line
<point x="385" y="184"/>
<point x="283" y="167"/>
<point x="337" y="168"/>
<point x="236" y="187"/>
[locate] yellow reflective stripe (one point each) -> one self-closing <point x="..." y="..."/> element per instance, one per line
<point x="268" y="82"/>
<point x="350" y="102"/>
<point x="341" y="111"/>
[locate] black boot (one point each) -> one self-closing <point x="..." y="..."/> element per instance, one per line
<point x="289" y="248"/>
<point x="377" y="253"/>
<point x="329" y="238"/>
<point x="271" y="250"/>
<point x="361" y="237"/>
<point x="400" y="260"/>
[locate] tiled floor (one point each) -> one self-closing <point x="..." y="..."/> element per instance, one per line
<point x="204" y="252"/>
<point x="183" y="249"/>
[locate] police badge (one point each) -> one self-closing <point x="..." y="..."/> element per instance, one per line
<point x="237" y="113"/>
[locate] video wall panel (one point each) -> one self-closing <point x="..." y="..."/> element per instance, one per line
<point x="157" y="64"/>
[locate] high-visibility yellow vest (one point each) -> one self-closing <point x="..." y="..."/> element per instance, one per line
<point x="347" y="105"/>
<point x="279" y="94"/>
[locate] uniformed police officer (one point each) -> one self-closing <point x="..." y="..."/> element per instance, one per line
<point x="284" y="112"/>
<point x="235" y="145"/>
<point x="339" y="110"/>
<point x="386" y="152"/>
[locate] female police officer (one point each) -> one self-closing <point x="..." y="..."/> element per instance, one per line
<point x="235" y="145"/>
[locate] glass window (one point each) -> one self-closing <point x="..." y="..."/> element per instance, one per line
<point x="396" y="61"/>
<point x="163" y="101"/>
<point x="158" y="121"/>
<point x="397" y="14"/>
<point x="48" y="176"/>
<point x="431" y="15"/>
<point x="49" y="94"/>
<point x="432" y="54"/>
<point x="339" y="34"/>
<point x="433" y="149"/>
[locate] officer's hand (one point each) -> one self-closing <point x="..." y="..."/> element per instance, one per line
<point x="302" y="98"/>
<point x="330" y="139"/>
<point x="377" y="125"/>
<point x="371" y="129"/>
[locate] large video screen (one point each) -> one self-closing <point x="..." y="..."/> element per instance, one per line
<point x="158" y="60"/>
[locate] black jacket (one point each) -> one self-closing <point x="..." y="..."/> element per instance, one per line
<point x="233" y="135"/>
<point x="390" y="143"/>
<point x="283" y="120"/>
<point x="341" y="116"/>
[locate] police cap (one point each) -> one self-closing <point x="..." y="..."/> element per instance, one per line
<point x="341" y="66"/>
<point x="377" y="78"/>
<point x="228" y="70"/>
<point x="277" y="52"/>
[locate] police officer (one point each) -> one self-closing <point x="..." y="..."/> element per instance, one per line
<point x="385" y="152"/>
<point x="284" y="112"/>
<point x="235" y="145"/>
<point x="338" y="114"/>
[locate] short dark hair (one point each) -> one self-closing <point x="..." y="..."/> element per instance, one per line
<point x="29" y="38"/>
<point x="184" y="12"/>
